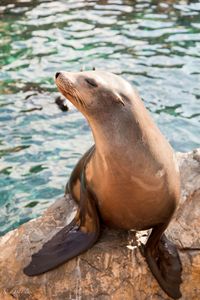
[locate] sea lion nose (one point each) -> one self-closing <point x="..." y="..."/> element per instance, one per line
<point x="57" y="74"/>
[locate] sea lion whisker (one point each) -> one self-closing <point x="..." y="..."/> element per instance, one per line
<point x="79" y="98"/>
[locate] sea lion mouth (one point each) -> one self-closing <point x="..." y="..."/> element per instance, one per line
<point x="65" y="93"/>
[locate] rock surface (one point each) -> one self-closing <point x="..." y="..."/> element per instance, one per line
<point x="113" y="268"/>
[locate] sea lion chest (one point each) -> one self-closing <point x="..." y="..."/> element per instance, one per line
<point x="129" y="193"/>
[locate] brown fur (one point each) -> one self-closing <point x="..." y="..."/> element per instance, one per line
<point x="132" y="172"/>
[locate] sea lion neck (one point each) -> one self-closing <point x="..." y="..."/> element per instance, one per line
<point x="111" y="135"/>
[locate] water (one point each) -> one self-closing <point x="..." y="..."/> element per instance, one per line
<point x="154" y="44"/>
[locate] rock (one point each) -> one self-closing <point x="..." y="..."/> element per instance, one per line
<point x="114" y="268"/>
<point x="62" y="103"/>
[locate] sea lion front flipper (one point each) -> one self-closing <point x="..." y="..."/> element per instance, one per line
<point x="72" y="240"/>
<point x="164" y="262"/>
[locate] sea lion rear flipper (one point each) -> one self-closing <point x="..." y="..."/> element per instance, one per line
<point x="72" y="240"/>
<point x="164" y="262"/>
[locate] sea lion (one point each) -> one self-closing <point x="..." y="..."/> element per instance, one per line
<point x="129" y="179"/>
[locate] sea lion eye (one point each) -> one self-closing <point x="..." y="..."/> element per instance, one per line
<point x="91" y="82"/>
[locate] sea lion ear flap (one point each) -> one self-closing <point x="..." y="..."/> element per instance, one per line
<point x="119" y="99"/>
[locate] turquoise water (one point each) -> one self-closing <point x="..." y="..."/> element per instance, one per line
<point x="154" y="44"/>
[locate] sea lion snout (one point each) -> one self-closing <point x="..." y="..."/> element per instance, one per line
<point x="66" y="78"/>
<point x="57" y="74"/>
<point x="64" y="81"/>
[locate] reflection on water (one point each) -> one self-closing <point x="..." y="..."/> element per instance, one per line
<point x="154" y="44"/>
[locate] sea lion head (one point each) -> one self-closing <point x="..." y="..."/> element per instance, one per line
<point x="95" y="93"/>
